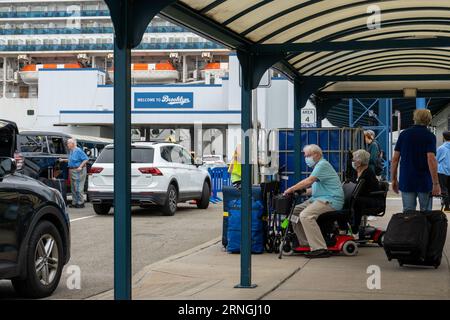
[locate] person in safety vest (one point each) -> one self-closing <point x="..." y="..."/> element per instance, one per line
<point x="235" y="168"/>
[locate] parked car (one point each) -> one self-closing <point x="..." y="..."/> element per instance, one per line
<point x="213" y="160"/>
<point x="34" y="226"/>
<point x="162" y="174"/>
<point x="38" y="151"/>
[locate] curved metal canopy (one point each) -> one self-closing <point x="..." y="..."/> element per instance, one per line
<point x="335" y="41"/>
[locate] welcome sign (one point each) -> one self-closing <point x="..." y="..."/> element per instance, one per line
<point x="163" y="100"/>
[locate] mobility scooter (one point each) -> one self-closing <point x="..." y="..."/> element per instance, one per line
<point x="334" y="225"/>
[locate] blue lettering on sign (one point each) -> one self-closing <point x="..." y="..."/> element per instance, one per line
<point x="163" y="100"/>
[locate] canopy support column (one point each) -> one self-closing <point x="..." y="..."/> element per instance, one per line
<point x="253" y="68"/>
<point x="130" y="19"/>
<point x="385" y="112"/>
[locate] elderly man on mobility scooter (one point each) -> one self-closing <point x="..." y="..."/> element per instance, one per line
<point x="327" y="195"/>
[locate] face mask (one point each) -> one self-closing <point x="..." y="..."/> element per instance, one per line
<point x="354" y="165"/>
<point x="310" y="162"/>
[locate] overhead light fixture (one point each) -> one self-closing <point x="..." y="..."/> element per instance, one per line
<point x="410" y="92"/>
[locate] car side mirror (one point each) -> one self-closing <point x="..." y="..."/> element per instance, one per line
<point x="7" y="166"/>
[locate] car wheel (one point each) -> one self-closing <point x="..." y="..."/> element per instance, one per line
<point x="203" y="203"/>
<point x="44" y="262"/>
<point x="170" y="206"/>
<point x="102" y="209"/>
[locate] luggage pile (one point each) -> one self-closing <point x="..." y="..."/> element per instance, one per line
<point x="231" y="230"/>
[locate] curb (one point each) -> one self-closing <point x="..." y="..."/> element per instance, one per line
<point x="137" y="278"/>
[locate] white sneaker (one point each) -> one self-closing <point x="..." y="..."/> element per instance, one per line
<point x="372" y="218"/>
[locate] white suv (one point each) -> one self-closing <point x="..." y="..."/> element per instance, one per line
<point x="162" y="174"/>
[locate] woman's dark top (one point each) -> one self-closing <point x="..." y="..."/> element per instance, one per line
<point x="371" y="183"/>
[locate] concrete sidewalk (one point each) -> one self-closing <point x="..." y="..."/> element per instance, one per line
<point x="207" y="272"/>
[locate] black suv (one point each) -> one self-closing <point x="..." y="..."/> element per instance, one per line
<point x="34" y="226"/>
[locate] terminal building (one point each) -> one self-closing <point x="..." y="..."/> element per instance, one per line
<point x="56" y="74"/>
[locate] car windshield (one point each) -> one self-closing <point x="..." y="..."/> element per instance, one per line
<point x="138" y="155"/>
<point x="31" y="143"/>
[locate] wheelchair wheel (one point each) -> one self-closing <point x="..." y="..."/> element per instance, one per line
<point x="350" y="248"/>
<point x="287" y="248"/>
<point x="269" y="245"/>
<point x="277" y="244"/>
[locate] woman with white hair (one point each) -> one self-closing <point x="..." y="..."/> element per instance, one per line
<point x="360" y="163"/>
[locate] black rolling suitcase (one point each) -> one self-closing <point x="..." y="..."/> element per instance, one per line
<point x="438" y="225"/>
<point x="406" y="237"/>
<point x="416" y="238"/>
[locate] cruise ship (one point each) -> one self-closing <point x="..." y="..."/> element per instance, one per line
<point x="56" y="74"/>
<point x="51" y="50"/>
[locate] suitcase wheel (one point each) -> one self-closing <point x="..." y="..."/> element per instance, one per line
<point x="400" y="264"/>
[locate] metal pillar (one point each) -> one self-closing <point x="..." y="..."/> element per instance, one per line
<point x="247" y="65"/>
<point x="350" y="113"/>
<point x="385" y="119"/>
<point x="122" y="172"/>
<point x="130" y="20"/>
<point x="421" y="103"/>
<point x="253" y="68"/>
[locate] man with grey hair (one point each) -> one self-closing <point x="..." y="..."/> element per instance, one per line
<point x="416" y="152"/>
<point x="77" y="169"/>
<point x="327" y="195"/>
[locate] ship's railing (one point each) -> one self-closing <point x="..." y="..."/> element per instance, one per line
<point x="53" y="14"/>
<point x="83" y="30"/>
<point x="109" y="46"/>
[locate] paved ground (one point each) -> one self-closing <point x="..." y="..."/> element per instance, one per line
<point x="155" y="237"/>
<point x="206" y="272"/>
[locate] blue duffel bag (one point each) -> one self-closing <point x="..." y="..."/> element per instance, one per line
<point x="234" y="227"/>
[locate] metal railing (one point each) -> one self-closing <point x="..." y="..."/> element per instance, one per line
<point x="219" y="179"/>
<point x="109" y="46"/>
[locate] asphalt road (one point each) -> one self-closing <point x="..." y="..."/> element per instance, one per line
<point x="154" y="237"/>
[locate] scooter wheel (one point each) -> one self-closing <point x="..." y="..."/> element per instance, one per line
<point x="381" y="239"/>
<point x="350" y="248"/>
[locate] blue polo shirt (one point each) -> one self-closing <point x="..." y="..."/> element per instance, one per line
<point x="414" y="144"/>
<point x="328" y="187"/>
<point x="443" y="157"/>
<point x="76" y="157"/>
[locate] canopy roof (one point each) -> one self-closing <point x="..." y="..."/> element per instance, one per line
<point x="335" y="41"/>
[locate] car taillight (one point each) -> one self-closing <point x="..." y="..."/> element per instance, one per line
<point x="19" y="160"/>
<point x="95" y="170"/>
<point x="150" y="170"/>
